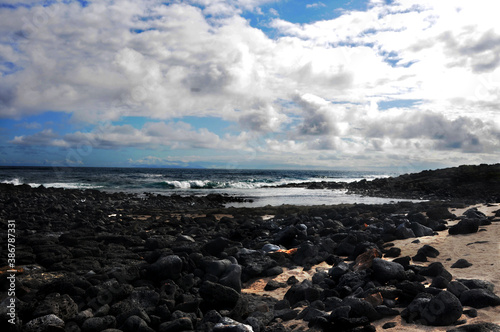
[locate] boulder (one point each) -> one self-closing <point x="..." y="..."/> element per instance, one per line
<point x="337" y="271"/>
<point x="383" y="270"/>
<point x="285" y="314"/>
<point x="418" y="218"/>
<point x="360" y="308"/>
<point x="440" y="212"/>
<point x="306" y="254"/>
<point x="477" y="283"/>
<point x="135" y="324"/>
<point x="461" y="264"/>
<point x="62" y="306"/>
<point x="440" y="282"/>
<point x="44" y="323"/>
<point x="393" y="252"/>
<point x="479" y="298"/>
<point x="273" y="285"/>
<point x="414" y="310"/>
<point x="474" y="213"/>
<point x="144" y="298"/>
<point x="402" y="232"/>
<point x="428" y="251"/>
<point x="216" y="267"/>
<point x="229" y="325"/>
<point x="286" y="236"/>
<point x="302" y="291"/>
<point x="421" y="230"/>
<point x="232" y="277"/>
<point x="216" y="246"/>
<point x="167" y="267"/>
<point x="310" y="314"/>
<point x="465" y="226"/>
<point x="436" y="269"/>
<point x="443" y="309"/>
<point x="177" y="325"/>
<point x="410" y="289"/>
<point x="457" y="288"/>
<point x="405" y="261"/>
<point x="97" y="324"/>
<point x="217" y="296"/>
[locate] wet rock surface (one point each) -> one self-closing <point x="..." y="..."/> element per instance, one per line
<point x="96" y="261"/>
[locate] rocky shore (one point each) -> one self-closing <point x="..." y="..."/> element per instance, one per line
<point x="92" y="261"/>
<point x="466" y="183"/>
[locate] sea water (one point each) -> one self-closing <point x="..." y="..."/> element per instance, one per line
<point x="256" y="185"/>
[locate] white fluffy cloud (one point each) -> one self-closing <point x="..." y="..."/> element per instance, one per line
<point x="313" y="90"/>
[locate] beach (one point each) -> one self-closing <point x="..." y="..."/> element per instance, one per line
<point x="90" y="260"/>
<point x="484" y="256"/>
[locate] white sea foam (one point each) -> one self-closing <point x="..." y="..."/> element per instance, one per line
<point x="249" y="184"/>
<point x="65" y="185"/>
<point x="15" y="182"/>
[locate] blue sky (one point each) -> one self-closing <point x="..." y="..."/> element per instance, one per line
<point x="369" y="84"/>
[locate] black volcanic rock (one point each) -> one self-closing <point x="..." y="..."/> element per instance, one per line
<point x="479" y="298"/>
<point x="385" y="271"/>
<point x="421" y="230"/>
<point x="461" y="264"/>
<point x="436" y="269"/>
<point x="428" y="251"/>
<point x="465" y="226"/>
<point x="477" y="283"/>
<point x="361" y="308"/>
<point x="158" y="263"/>
<point x="475" y="183"/>
<point x="393" y="252"/>
<point x="457" y="288"/>
<point x="218" y="296"/>
<point x="474" y="213"/>
<point x="62" y="306"/>
<point x="168" y="267"/>
<point x="443" y="309"/>
<point x="302" y="291"/>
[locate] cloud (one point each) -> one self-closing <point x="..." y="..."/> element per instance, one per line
<point x="44" y="138"/>
<point x="308" y="89"/>
<point x="31" y="125"/>
<point x="481" y="52"/>
<point x="263" y="119"/>
<point x="180" y="64"/>
<point x="319" y="118"/>
<point x="158" y="161"/>
<point x="172" y="135"/>
<point x="434" y="132"/>
<point x="315" y="5"/>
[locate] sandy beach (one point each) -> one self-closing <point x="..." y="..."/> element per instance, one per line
<point x="482" y="249"/>
<point x="485" y="259"/>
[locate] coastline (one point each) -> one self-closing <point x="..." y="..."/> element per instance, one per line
<point x="91" y="261"/>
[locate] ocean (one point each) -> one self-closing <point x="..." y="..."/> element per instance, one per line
<point x="251" y="184"/>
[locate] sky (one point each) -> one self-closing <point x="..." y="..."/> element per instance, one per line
<point x="361" y="84"/>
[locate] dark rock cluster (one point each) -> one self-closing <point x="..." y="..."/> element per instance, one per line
<point x="469" y="183"/>
<point x="115" y="262"/>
